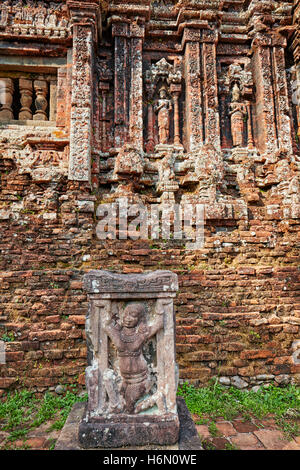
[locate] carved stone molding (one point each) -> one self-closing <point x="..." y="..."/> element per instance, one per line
<point x="43" y="159"/>
<point x="29" y="18"/>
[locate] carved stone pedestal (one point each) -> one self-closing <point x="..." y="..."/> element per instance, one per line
<point x="132" y="376"/>
<point x="122" y="430"/>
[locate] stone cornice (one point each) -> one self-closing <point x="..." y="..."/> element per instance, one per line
<point x="129" y="9"/>
<point x="85" y="14"/>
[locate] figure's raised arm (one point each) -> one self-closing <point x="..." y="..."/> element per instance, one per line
<point x="107" y="320"/>
<point x="158" y="323"/>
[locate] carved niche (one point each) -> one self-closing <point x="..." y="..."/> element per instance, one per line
<point x="132" y="375"/>
<point x="236" y="90"/>
<point x="163" y="88"/>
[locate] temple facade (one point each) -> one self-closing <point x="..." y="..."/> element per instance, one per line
<point x="189" y="102"/>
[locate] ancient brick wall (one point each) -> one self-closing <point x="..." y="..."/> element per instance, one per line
<point x="81" y="89"/>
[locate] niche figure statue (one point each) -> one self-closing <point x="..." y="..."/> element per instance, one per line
<point x="163" y="108"/>
<point x="238" y="113"/>
<point x="129" y="336"/>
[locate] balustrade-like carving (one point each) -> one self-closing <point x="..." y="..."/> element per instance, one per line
<point x="24" y="99"/>
<point x="41" y="104"/>
<point x="6" y="98"/>
<point x="26" y="91"/>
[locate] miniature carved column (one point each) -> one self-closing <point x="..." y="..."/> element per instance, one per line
<point x="25" y="87"/>
<point x="84" y="21"/>
<point x="176" y="117"/>
<point x="41" y="103"/>
<point x="150" y="133"/>
<point x="249" y="126"/>
<point x="62" y="101"/>
<point x="6" y="99"/>
<point x="103" y="90"/>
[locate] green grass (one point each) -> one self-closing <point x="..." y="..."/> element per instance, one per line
<point x="217" y="400"/>
<point x="22" y="411"/>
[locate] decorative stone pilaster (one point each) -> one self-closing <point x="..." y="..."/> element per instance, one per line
<point x="274" y="131"/>
<point x="193" y="95"/>
<point x="85" y="24"/>
<point x="128" y="82"/>
<point x="137" y="33"/>
<point x="211" y="102"/>
<point x="202" y="107"/>
<point x="296" y="53"/>
<point x="281" y="96"/>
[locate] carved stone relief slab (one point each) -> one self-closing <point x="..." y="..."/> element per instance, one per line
<point x="44" y="161"/>
<point x="132" y="374"/>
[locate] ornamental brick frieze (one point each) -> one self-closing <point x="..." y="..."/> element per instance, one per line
<point x="29" y="18"/>
<point x="171" y="99"/>
<point x="44" y="159"/>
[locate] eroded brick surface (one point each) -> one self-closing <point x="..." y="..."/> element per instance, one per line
<point x="169" y="101"/>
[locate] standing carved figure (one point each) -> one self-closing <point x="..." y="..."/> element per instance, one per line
<point x="238" y="113"/>
<point x="163" y="109"/>
<point x="129" y="338"/>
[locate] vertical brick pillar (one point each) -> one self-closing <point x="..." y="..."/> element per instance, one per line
<point x="202" y="104"/>
<point x="84" y="22"/>
<point x="281" y="96"/>
<point x="265" y="102"/>
<point x="136" y="93"/>
<point x="273" y="125"/>
<point x="211" y="101"/>
<point x="128" y="83"/>
<point x="121" y="82"/>
<point x="296" y="53"/>
<point x="193" y="99"/>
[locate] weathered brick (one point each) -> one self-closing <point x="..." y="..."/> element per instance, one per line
<point x="77" y="319"/>
<point x="257" y="354"/>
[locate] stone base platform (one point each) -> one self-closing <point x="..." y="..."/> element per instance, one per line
<point x="123" y="430"/>
<point x="188" y="436"/>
